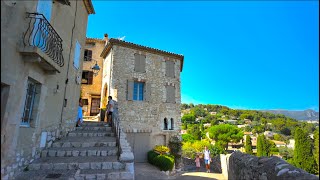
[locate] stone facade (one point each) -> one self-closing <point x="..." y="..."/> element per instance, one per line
<point x="245" y="166"/>
<point x="56" y="92"/>
<point x="90" y="91"/>
<point x="146" y="115"/>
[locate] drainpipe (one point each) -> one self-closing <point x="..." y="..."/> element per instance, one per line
<point x="66" y="82"/>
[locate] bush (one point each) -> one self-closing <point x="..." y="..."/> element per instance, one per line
<point x="164" y="162"/>
<point x="161" y="149"/>
<point x="151" y="156"/>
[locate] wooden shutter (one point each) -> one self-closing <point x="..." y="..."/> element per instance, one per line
<point x="77" y="50"/>
<point x="130" y="90"/>
<point x="142" y="63"/>
<point x="147" y="92"/>
<point x="90" y="77"/>
<point x="171" y="94"/>
<point x="89" y="55"/>
<point x="136" y="62"/>
<point x="169" y="68"/>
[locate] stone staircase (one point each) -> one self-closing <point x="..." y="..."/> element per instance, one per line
<point x="89" y="152"/>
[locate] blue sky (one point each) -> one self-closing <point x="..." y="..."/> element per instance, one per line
<point x="244" y="55"/>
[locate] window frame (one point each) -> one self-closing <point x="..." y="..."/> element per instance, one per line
<point x="138" y="91"/>
<point x="29" y="104"/>
<point x="87" y="56"/>
<point x="89" y="77"/>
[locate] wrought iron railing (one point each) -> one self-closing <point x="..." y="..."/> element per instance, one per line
<point x="41" y="34"/>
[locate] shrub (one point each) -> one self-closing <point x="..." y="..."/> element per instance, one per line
<point x="151" y="156"/>
<point x="161" y="149"/>
<point x="164" y="162"/>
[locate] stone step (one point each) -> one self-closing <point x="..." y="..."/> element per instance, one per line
<point x="62" y="174"/>
<point x="85" y="142"/>
<point x="90" y="133"/>
<point x="74" y="174"/>
<point x="101" y="174"/>
<point x="87" y="151"/>
<point x="88" y="123"/>
<point x="69" y="163"/>
<point x="102" y="128"/>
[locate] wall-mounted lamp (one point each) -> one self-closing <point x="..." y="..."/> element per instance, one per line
<point x="95" y="69"/>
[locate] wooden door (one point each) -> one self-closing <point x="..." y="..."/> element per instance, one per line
<point x="95" y="105"/>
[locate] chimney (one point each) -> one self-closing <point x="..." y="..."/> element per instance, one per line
<point x="106" y="38"/>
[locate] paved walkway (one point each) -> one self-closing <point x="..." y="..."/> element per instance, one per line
<point x="146" y="171"/>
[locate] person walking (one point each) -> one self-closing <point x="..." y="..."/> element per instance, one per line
<point x="207" y="159"/>
<point x="110" y="110"/>
<point x="79" y="119"/>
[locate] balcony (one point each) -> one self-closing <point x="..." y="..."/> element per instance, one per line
<point x="42" y="44"/>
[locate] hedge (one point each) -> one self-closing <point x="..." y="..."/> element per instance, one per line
<point x="164" y="162"/>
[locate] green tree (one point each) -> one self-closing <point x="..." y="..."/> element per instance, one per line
<point x="302" y="155"/>
<point x="187" y="138"/>
<point x="188" y="118"/>
<point x="248" y="145"/>
<point x="194" y="130"/>
<point x="198" y="112"/>
<point x="263" y="146"/>
<point x="316" y="147"/>
<point x="225" y="133"/>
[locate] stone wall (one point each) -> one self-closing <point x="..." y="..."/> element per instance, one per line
<point x="89" y="91"/>
<point x="245" y="166"/>
<point x="146" y="116"/>
<point x="20" y="144"/>
<point x="190" y="165"/>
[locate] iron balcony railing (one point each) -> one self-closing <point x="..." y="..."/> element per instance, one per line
<point x="41" y="34"/>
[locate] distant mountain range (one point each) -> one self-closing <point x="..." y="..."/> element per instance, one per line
<point x="308" y="114"/>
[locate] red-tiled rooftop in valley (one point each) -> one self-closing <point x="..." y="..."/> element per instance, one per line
<point x="113" y="41"/>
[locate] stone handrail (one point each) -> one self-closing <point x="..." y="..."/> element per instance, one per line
<point x="244" y="166"/>
<point x="126" y="154"/>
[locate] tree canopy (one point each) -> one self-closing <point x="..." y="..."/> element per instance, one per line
<point x="225" y="133"/>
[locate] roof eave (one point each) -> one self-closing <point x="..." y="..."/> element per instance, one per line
<point x="89" y="6"/>
<point x="112" y="42"/>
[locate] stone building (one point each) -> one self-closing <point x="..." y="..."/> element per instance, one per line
<point x="41" y="44"/>
<point x="90" y="82"/>
<point x="145" y="82"/>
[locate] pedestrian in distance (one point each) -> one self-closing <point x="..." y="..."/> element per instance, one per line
<point x="79" y="119"/>
<point x="197" y="160"/>
<point x="207" y="159"/>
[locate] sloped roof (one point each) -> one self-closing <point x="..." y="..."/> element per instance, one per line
<point x="90" y="40"/>
<point x="113" y="41"/>
<point x="89" y="6"/>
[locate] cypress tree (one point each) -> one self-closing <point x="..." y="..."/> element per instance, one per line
<point x="302" y="154"/>
<point x="263" y="146"/>
<point x="248" y="145"/>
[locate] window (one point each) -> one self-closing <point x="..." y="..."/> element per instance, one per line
<point x="87" y="77"/>
<point x="165" y="124"/>
<point x="32" y="96"/>
<point x="77" y="52"/>
<point x="172" y="124"/>
<point x="139" y="63"/>
<point x="138" y="91"/>
<point x="171" y="98"/>
<point x="87" y="55"/>
<point x="170" y="69"/>
<point x="45" y="7"/>
<point x="85" y="101"/>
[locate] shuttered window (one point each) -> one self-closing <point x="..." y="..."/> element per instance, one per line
<point x="77" y="51"/>
<point x="171" y="98"/>
<point x="87" y="77"/>
<point x="139" y="63"/>
<point x="87" y="55"/>
<point x="138" y="91"/>
<point x="170" y="69"/>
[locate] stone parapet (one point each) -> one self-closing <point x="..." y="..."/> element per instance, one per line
<point x="245" y="166"/>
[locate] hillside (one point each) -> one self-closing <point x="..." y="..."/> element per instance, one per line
<point x="299" y="115"/>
